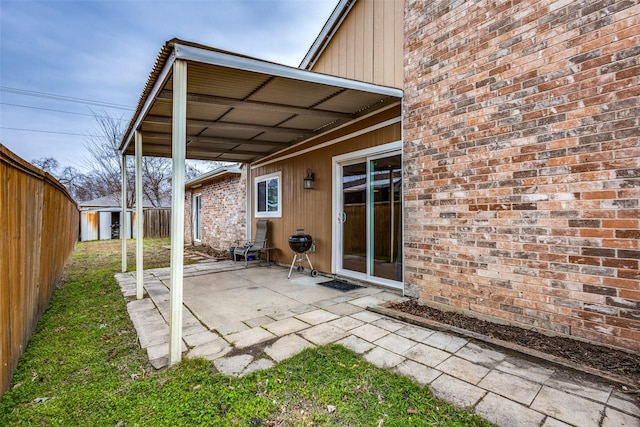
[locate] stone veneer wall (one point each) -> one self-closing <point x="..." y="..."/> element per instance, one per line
<point x="224" y="211"/>
<point x="522" y="162"/>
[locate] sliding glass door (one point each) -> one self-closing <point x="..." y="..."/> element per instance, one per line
<point x="369" y="217"/>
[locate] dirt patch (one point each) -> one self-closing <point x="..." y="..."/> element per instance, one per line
<point x="208" y="251"/>
<point x="604" y="359"/>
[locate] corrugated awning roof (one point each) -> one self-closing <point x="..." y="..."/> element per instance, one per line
<point x="241" y="109"/>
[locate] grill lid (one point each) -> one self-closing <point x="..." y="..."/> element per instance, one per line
<point x="300" y="242"/>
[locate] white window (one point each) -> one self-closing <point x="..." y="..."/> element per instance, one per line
<point x="197" y="217"/>
<point x="268" y="195"/>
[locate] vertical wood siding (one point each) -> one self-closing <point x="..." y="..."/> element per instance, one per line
<point x="40" y="223"/>
<point x="311" y="209"/>
<point x="368" y="45"/>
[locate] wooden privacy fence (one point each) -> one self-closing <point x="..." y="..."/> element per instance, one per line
<point x="157" y="222"/>
<point x="39" y="229"/>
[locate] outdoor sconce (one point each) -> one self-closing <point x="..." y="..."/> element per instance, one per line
<point x="308" y="180"/>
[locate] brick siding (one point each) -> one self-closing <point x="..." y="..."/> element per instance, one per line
<point x="224" y="211"/>
<point x="522" y="162"/>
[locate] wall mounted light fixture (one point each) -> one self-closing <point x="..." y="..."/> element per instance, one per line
<point x="308" y="180"/>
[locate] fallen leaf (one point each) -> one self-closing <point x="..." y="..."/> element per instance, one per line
<point x="412" y="411"/>
<point x="331" y="409"/>
<point x="380" y="397"/>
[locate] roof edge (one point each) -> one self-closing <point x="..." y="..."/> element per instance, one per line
<point x="218" y="172"/>
<point x="326" y="34"/>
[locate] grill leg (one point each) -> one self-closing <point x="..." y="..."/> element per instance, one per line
<point x="295" y="256"/>
<point x="309" y="261"/>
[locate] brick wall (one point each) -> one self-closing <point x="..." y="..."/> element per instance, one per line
<point x="522" y="162"/>
<point x="224" y="211"/>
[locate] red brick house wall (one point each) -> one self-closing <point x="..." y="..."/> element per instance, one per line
<point x="522" y="162"/>
<point x="224" y="210"/>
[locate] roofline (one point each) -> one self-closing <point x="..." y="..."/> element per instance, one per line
<point x="225" y="59"/>
<point x="221" y="171"/>
<point x="177" y="49"/>
<point x="326" y="34"/>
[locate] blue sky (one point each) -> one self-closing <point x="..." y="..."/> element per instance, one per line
<point x="95" y="57"/>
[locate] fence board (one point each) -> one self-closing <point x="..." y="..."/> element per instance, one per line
<point x="157" y="223"/>
<point x="40" y="228"/>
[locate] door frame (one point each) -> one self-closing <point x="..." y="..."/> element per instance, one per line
<point x="337" y="162"/>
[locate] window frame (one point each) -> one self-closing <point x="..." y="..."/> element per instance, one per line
<point x="196" y="218"/>
<point x="265" y="178"/>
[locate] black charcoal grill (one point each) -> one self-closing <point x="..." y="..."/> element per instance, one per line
<point x="300" y="243"/>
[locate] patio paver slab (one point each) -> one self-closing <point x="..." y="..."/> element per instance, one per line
<point x="458" y="392"/>
<point x="317" y="316"/>
<point x="446" y="342"/>
<point x="613" y="418"/>
<point x="429" y="356"/>
<point x="395" y="343"/>
<point x="323" y="334"/>
<point x="232" y="365"/>
<point x="286" y="326"/>
<point x="463" y="369"/>
<point x="287" y="347"/>
<point x="369" y="332"/>
<point x="211" y="350"/>
<point x="481" y="355"/>
<point x="507" y="413"/>
<point x="249" y="337"/>
<point x="568" y="408"/>
<point x="356" y="344"/>
<point x="418" y="372"/>
<point x="383" y="358"/>
<point x="510" y="386"/>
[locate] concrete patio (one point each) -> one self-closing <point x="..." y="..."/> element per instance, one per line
<point x="235" y="316"/>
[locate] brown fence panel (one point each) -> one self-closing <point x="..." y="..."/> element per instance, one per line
<point x="39" y="229"/>
<point x="157" y="223"/>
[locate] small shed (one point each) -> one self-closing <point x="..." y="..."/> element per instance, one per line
<point x="100" y="218"/>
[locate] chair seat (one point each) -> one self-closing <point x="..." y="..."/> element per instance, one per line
<point x="255" y="246"/>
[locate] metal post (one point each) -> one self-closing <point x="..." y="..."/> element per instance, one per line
<point x="178" y="147"/>
<point x="391" y="203"/>
<point x="139" y="218"/>
<point x="123" y="213"/>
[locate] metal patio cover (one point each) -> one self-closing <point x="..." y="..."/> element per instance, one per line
<point x="241" y="109"/>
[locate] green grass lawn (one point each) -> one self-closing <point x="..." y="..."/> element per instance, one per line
<point x="84" y="367"/>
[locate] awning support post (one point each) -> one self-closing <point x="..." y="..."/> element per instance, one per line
<point x="123" y="213"/>
<point x="179" y="152"/>
<point x="139" y="219"/>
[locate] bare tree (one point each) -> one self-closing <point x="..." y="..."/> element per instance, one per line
<point x="70" y="177"/>
<point x="47" y="164"/>
<point x="106" y="162"/>
<point x="104" y="165"/>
